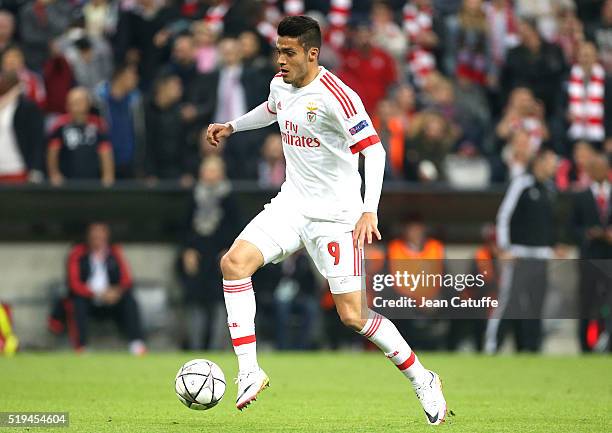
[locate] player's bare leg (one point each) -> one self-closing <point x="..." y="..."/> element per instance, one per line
<point x="382" y="332"/>
<point x="237" y="266"/>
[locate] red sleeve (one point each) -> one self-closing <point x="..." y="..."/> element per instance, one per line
<point x="125" y="276"/>
<point x="74" y="272"/>
<point x="362" y="144"/>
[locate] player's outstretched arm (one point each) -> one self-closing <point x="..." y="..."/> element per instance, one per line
<point x="367" y="226"/>
<point x="259" y="117"/>
<point x="217" y="131"/>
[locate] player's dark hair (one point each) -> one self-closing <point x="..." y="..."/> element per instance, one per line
<point x="304" y="28"/>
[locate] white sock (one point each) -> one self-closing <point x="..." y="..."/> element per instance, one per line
<point x="382" y="332"/>
<point x="240" y="304"/>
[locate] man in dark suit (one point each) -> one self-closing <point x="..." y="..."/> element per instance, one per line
<point x="592" y="224"/>
<point x="227" y="93"/>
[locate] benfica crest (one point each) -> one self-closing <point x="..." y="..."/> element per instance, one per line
<point x="311" y="114"/>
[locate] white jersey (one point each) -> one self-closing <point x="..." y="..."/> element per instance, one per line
<point x="323" y="126"/>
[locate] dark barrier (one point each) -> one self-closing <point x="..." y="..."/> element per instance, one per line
<point x="160" y="213"/>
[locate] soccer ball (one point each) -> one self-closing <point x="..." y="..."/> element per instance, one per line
<point x="199" y="384"/>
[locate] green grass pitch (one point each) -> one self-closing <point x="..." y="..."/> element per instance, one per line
<point x="320" y="392"/>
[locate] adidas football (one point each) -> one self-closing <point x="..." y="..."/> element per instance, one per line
<point x="199" y="384"/>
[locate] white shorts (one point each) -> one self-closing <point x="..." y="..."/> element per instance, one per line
<point x="279" y="231"/>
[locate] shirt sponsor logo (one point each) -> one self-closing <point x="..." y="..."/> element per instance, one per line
<point x="355" y="129"/>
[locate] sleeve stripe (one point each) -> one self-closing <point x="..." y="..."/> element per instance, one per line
<point x="334" y="83"/>
<point x="268" y="108"/>
<point x="336" y="96"/>
<point x="366" y="142"/>
<point x="338" y="91"/>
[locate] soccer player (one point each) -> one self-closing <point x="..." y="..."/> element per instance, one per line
<point x="324" y="127"/>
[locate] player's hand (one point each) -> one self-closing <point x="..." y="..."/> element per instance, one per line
<point x="216" y="131"/>
<point x="365" y="227"/>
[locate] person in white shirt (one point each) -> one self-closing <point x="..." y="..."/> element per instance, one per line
<point x="324" y="127"/>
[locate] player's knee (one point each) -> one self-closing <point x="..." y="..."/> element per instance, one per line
<point x="351" y="318"/>
<point x="234" y="266"/>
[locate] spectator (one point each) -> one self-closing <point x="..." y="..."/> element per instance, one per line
<point x="167" y="153"/>
<point x="502" y="35"/>
<point x="467" y="50"/>
<point x="251" y="54"/>
<point x="59" y="79"/>
<point x="229" y="92"/>
<point x="368" y="70"/>
<point x="484" y="264"/>
<point x="7" y="30"/>
<point x="387" y="35"/>
<point x="234" y="87"/>
<point x="414" y="242"/>
<point x="526" y="232"/>
<point x="183" y="62"/>
<point x="523" y="112"/>
<point x="463" y="115"/>
<point x="420" y="25"/>
<point x="204" y="39"/>
<point x="592" y="224"/>
<point x="91" y="60"/>
<point x="515" y="157"/>
<point x="601" y="33"/>
<point x="570" y="35"/>
<point x="120" y="103"/>
<point x="431" y="139"/>
<point x="414" y="251"/>
<point x="78" y="145"/>
<point x="142" y="36"/>
<point x="212" y="227"/>
<point x="101" y="17"/>
<point x="296" y="304"/>
<point x="40" y="22"/>
<point x="573" y="173"/>
<point x="590" y="99"/>
<point x="406" y="102"/>
<point x="536" y="65"/>
<point x="33" y="88"/>
<point x="272" y="162"/>
<point x="21" y="134"/>
<point x="100" y="283"/>
<point x="541" y="13"/>
<point x="391" y="128"/>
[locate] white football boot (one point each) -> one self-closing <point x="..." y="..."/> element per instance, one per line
<point x="250" y="384"/>
<point x="429" y="393"/>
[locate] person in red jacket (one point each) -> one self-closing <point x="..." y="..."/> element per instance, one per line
<point x="367" y="69"/>
<point x="100" y="283"/>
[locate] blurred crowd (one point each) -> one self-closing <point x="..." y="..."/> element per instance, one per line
<point x="461" y="91"/>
